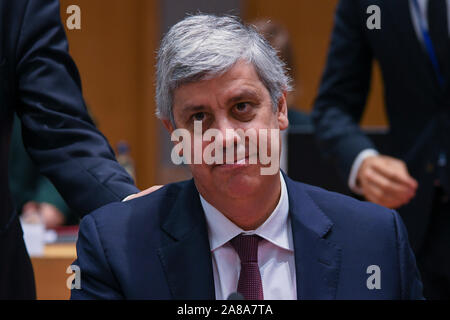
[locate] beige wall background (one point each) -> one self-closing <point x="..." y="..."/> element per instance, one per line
<point x="310" y="24"/>
<point x="115" y="54"/>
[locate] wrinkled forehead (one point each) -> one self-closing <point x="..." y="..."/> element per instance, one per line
<point x="188" y="73"/>
<point x="236" y="84"/>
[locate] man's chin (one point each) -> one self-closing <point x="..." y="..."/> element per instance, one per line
<point x="239" y="183"/>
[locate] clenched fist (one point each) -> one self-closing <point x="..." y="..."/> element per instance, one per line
<point x="386" y="181"/>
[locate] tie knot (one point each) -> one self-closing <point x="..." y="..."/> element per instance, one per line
<point x="246" y="247"/>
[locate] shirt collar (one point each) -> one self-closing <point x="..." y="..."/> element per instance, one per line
<point x="276" y="229"/>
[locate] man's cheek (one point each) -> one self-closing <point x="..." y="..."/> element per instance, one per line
<point x="269" y="151"/>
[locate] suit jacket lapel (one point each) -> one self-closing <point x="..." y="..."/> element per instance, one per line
<point x="317" y="260"/>
<point x="186" y="257"/>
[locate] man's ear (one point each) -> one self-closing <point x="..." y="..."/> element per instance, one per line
<point x="168" y="125"/>
<point x="283" y="121"/>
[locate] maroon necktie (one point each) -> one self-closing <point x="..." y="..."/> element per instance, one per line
<point x="250" y="284"/>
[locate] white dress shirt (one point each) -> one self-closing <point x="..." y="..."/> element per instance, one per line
<point x="364" y="154"/>
<point x="275" y="251"/>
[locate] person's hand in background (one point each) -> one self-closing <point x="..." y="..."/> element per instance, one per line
<point x="142" y="193"/>
<point x="47" y="213"/>
<point x="52" y="217"/>
<point x="386" y="181"/>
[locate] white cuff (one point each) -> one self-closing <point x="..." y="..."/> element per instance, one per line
<point x="126" y="199"/>
<point x="355" y="168"/>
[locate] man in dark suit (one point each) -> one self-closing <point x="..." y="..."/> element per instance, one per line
<point x="238" y="225"/>
<point x="40" y="82"/>
<point x="412" y="46"/>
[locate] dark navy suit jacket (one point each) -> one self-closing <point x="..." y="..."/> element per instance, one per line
<point x="40" y="82"/>
<point x="157" y="247"/>
<point x="418" y="109"/>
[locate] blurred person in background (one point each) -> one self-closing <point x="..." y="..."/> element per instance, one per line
<point x="32" y="193"/>
<point x="280" y="40"/>
<point x="40" y="83"/>
<point x="412" y="47"/>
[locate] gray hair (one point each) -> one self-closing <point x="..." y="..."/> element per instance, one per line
<point x="202" y="46"/>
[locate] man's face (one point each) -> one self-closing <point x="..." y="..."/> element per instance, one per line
<point x="235" y="100"/>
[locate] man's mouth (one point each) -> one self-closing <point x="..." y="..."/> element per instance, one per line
<point x="238" y="163"/>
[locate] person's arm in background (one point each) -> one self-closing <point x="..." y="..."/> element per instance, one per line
<point x="338" y="110"/>
<point x="58" y="133"/>
<point x="343" y="90"/>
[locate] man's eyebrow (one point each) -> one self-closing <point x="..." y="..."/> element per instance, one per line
<point x="243" y="95"/>
<point x="192" y="108"/>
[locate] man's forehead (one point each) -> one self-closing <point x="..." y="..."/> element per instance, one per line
<point x="231" y="97"/>
<point x="240" y="80"/>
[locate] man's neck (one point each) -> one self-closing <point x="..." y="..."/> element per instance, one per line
<point x="250" y="212"/>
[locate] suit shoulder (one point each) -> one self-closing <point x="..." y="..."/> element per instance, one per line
<point x="147" y="209"/>
<point x="360" y="228"/>
<point x="346" y="209"/>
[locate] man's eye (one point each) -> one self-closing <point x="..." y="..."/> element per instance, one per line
<point x="242" y="107"/>
<point x="199" y="116"/>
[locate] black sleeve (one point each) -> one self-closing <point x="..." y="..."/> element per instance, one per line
<point x="344" y="87"/>
<point x="58" y="132"/>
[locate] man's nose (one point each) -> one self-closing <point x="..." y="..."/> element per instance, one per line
<point x="228" y="129"/>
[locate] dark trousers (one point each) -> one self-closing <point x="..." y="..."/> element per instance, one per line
<point x="16" y="271"/>
<point x="434" y="258"/>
